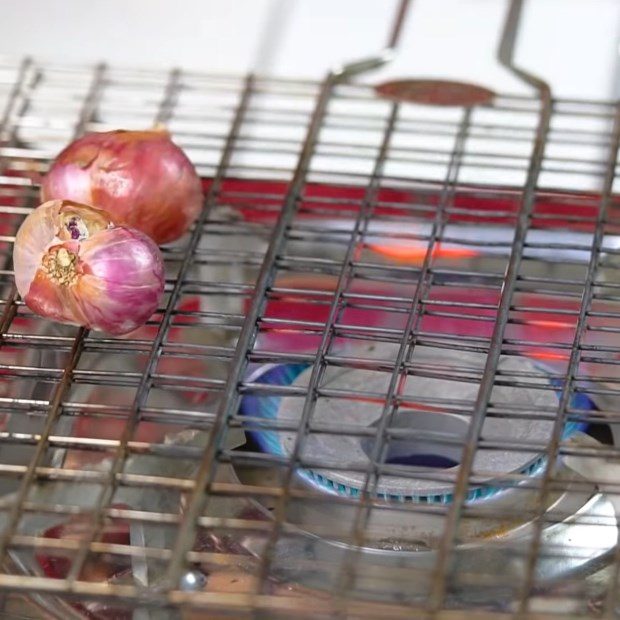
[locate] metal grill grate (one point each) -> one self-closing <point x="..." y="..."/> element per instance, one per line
<point x="383" y="382"/>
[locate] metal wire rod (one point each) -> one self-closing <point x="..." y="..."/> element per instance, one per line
<point x="442" y="571"/>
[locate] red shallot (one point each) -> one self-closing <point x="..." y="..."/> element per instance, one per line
<point x="73" y="265"/>
<point x="141" y="178"/>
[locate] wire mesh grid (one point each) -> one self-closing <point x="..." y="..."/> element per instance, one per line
<point x="383" y="380"/>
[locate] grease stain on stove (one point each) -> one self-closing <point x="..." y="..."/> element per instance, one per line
<point x="399" y="545"/>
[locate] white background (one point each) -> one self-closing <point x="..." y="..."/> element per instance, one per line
<point x="572" y="43"/>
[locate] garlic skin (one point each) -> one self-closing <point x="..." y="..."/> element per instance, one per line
<point x="141" y="178"/>
<point x="73" y="265"/>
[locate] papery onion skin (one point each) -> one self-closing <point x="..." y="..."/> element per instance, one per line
<point x="141" y="178"/>
<point x="74" y="266"/>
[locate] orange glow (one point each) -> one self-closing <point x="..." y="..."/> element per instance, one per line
<point x="416" y="254"/>
<point x="412" y="406"/>
<point x="547" y="356"/>
<point x="551" y="324"/>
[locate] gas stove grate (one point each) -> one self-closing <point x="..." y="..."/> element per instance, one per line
<point x="342" y="232"/>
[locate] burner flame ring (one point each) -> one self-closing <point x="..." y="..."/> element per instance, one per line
<point x="435" y="457"/>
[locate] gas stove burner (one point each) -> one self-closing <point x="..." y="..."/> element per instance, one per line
<point x="430" y="436"/>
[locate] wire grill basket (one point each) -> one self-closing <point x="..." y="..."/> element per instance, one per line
<point x="383" y="381"/>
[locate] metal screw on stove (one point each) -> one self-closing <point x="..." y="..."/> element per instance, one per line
<point x="193" y="580"/>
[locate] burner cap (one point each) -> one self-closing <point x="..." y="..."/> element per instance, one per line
<point x="427" y="431"/>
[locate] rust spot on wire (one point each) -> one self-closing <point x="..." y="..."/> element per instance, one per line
<point x="436" y="92"/>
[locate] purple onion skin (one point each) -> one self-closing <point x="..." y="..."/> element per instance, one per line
<point x="109" y="278"/>
<point x="141" y="178"/>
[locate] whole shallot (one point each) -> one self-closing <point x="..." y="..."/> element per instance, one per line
<point x="141" y="178"/>
<point x="74" y="265"/>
